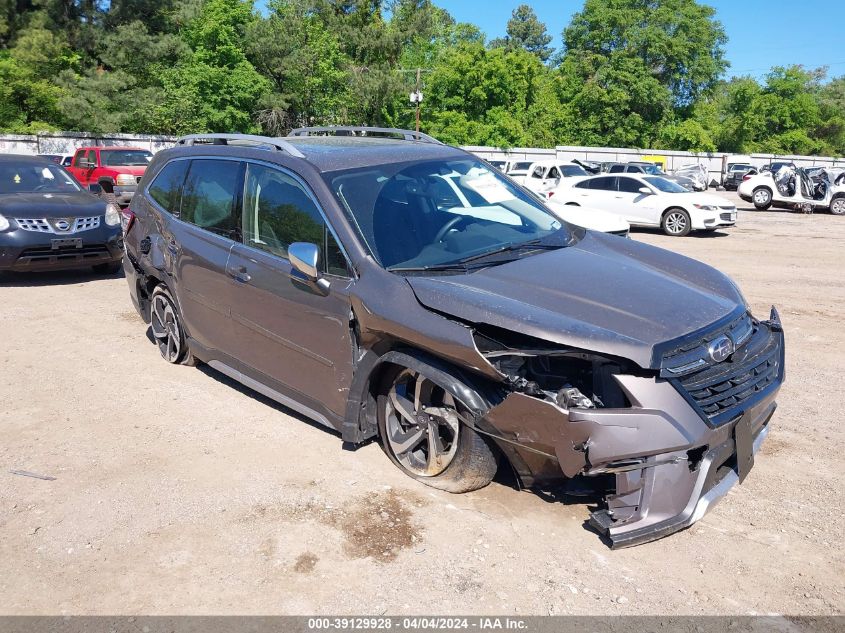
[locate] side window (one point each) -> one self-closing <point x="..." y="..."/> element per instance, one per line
<point x="79" y="158"/>
<point x="277" y="212"/>
<point x="538" y="172"/>
<point x="616" y="169"/>
<point x="635" y="169"/>
<point x="606" y="183"/>
<point x="629" y="185"/>
<point x="554" y="173"/>
<point x="166" y="188"/>
<point x="208" y="197"/>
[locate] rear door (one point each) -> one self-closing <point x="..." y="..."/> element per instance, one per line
<point x="291" y="332"/>
<point x="197" y="238"/>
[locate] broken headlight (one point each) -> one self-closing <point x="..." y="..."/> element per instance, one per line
<point x="570" y="378"/>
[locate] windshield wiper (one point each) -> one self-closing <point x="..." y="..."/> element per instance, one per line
<point x="459" y="267"/>
<point x="533" y="245"/>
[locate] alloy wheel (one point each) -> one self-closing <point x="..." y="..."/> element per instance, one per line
<point x="837" y="207"/>
<point x="676" y="223"/>
<point x="165" y="328"/>
<point x="422" y="425"/>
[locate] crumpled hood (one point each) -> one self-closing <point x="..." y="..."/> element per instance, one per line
<point x="605" y="294"/>
<point x="51" y="205"/>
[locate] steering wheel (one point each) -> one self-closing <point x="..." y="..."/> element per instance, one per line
<point x="444" y="230"/>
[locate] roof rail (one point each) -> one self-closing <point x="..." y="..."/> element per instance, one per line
<point x="352" y="130"/>
<point x="245" y="139"/>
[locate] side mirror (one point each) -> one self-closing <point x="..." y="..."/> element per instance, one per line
<point x="85" y="164"/>
<point x="305" y="259"/>
<point x="646" y="191"/>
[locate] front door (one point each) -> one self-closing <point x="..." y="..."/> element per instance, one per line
<point x="291" y="332"/>
<point x="637" y="207"/>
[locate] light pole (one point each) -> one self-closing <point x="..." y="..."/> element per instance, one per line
<point x="417" y="98"/>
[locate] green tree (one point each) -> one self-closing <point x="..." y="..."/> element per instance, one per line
<point x="678" y="42"/>
<point x="525" y="31"/>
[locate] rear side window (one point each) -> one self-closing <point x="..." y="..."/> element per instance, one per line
<point x="166" y="188"/>
<point x="277" y="212"/>
<point x="616" y="169"/>
<point x="209" y="194"/>
<point x="605" y="183"/>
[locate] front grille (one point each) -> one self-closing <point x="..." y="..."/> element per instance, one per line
<point x="693" y="354"/>
<point x="52" y="225"/>
<point x="38" y="225"/>
<point x="720" y="390"/>
<point x="727" y="217"/>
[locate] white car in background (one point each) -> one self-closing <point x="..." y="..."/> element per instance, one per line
<point x="541" y="177"/>
<point x="592" y="219"/>
<point x="651" y="201"/>
<point x="794" y="188"/>
<point x="476" y="194"/>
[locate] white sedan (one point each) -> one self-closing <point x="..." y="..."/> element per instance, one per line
<point x="592" y="219"/>
<point x="644" y="200"/>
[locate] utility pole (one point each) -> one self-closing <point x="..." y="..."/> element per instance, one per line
<point x="419" y="100"/>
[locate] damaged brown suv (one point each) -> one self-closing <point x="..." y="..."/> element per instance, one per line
<point x="387" y="285"/>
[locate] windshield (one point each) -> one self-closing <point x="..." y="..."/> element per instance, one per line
<point x="666" y="186"/>
<point x="423" y="215"/>
<point x="521" y="167"/>
<point x="654" y="170"/>
<point x="573" y="170"/>
<point x="35" y="177"/>
<point x="740" y="167"/>
<point x="125" y="157"/>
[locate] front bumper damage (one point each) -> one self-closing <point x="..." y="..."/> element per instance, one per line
<point x="669" y="461"/>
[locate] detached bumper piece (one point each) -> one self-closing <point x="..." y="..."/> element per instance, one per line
<point x="720" y="470"/>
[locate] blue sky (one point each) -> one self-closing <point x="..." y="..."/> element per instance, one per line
<point x="761" y="33"/>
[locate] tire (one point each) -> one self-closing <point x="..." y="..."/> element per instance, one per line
<point x="462" y="460"/>
<point x="762" y="198"/>
<point x="167" y="329"/>
<point x="837" y="205"/>
<point x="676" y="223"/>
<point x="110" y="268"/>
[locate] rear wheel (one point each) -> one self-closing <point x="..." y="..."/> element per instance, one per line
<point x="676" y="222"/>
<point x="422" y="433"/>
<point x="837" y="205"/>
<point x="762" y="198"/>
<point x="167" y="330"/>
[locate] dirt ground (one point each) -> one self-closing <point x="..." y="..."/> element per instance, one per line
<point x="177" y="492"/>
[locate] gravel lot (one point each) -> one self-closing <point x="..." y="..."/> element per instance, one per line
<point x="177" y="492"/>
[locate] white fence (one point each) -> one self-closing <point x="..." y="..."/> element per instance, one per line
<point x="67" y="142"/>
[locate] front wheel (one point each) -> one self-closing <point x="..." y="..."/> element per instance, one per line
<point x="422" y="433"/>
<point x="837" y="205"/>
<point x="676" y="223"/>
<point x="762" y="198"/>
<point x="167" y="330"/>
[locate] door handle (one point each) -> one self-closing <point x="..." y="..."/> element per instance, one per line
<point x="239" y="274"/>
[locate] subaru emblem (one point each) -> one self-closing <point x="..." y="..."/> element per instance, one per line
<point x="720" y="349"/>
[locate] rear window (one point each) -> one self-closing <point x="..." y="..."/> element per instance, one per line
<point x="166" y="188"/>
<point x="125" y="158"/>
<point x="209" y="194"/>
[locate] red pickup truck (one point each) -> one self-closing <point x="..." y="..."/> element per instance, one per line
<point x="121" y="167"/>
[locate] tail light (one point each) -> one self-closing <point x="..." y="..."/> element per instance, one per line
<point x="746" y="177"/>
<point x="127" y="219"/>
<point x="551" y="193"/>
